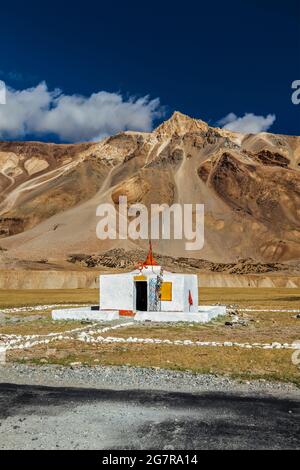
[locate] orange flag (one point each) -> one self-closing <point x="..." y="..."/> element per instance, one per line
<point x="190" y="298"/>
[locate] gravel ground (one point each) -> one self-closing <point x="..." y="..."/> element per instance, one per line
<point x="55" y="407"/>
<point x="126" y="378"/>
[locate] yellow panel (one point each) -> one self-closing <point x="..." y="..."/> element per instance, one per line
<point x="166" y="291"/>
<point x="140" y="278"/>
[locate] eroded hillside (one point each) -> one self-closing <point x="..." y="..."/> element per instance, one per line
<point x="249" y="184"/>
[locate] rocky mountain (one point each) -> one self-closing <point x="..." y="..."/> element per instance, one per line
<point x="249" y="184"/>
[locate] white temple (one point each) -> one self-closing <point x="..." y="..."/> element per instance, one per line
<point x="146" y="294"/>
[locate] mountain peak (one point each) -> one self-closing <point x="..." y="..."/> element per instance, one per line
<point x="180" y="124"/>
<point x="179" y="115"/>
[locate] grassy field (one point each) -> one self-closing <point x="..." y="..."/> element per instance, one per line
<point x="262" y="326"/>
<point x="268" y="297"/>
<point x="21" y="298"/>
<point x="42" y="326"/>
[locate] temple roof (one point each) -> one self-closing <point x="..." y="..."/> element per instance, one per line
<point x="150" y="261"/>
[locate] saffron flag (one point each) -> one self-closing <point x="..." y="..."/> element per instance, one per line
<point x="190" y="298"/>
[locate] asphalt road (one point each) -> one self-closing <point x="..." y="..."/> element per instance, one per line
<point x="39" y="417"/>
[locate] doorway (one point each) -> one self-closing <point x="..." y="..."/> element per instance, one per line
<point x="141" y="295"/>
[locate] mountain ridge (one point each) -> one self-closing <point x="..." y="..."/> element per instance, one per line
<point x="249" y="184"/>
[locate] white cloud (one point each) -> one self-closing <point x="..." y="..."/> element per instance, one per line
<point x="73" y="118"/>
<point x="248" y="124"/>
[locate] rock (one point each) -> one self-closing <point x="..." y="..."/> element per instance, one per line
<point x="232" y="312"/>
<point x="233" y="321"/>
<point x="75" y="364"/>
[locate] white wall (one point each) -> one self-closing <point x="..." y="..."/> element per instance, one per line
<point x="116" y="292"/>
<point x="177" y="302"/>
<point x="190" y="283"/>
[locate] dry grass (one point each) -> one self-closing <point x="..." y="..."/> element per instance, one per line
<point x="262" y="327"/>
<point x="21" y="298"/>
<point x="39" y="327"/>
<point x="269" y="297"/>
<point x="265" y="297"/>
<point x="243" y="364"/>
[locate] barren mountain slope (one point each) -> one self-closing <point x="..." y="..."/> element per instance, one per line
<point x="250" y="185"/>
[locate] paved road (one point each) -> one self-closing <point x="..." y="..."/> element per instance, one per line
<point x="39" y="417"/>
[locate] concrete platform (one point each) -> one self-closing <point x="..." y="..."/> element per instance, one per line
<point x="85" y="313"/>
<point x="205" y="314"/>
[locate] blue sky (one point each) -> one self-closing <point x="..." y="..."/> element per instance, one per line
<point x="204" y="59"/>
